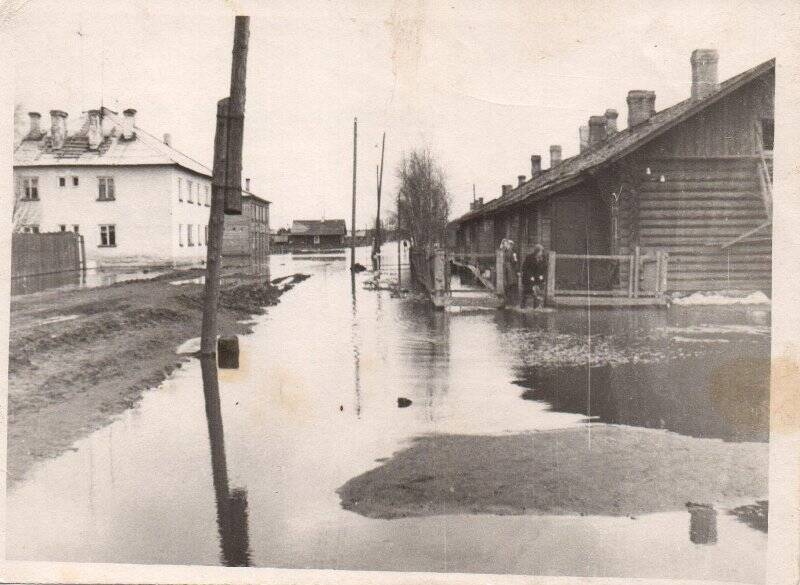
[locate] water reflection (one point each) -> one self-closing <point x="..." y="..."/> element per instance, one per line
<point x="702" y="523"/>
<point x="231" y="503"/>
<point x="728" y="401"/>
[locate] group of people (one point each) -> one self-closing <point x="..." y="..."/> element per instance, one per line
<point x="534" y="272"/>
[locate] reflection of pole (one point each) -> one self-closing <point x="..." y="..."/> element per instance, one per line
<point x="703" y="523"/>
<point x="397" y="231"/>
<point x="231" y="504"/>
<point x="353" y="217"/>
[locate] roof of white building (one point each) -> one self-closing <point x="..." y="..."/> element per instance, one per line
<point x="114" y="150"/>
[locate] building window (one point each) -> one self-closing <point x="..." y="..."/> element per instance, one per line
<point x="105" y="188"/>
<point x="62" y="227"/>
<point x="30" y="229"/>
<point x="189" y="189"/>
<point x="108" y="236"/>
<point x="74" y="181"/>
<point x="768" y="133"/>
<point x="199" y="202"/>
<point x="316" y="239"/>
<point x="180" y="234"/>
<point x="189" y="232"/>
<point x="62" y="181"/>
<point x="30" y="186"/>
<point x="206" y="235"/>
<point x="208" y="196"/>
<point x="180" y="189"/>
<point x="76" y="228"/>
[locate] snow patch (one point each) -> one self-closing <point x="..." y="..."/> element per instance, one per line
<point x="721" y="298"/>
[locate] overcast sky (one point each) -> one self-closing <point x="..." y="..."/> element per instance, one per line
<point x="483" y="85"/>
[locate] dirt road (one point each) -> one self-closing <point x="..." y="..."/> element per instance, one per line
<point x="78" y="358"/>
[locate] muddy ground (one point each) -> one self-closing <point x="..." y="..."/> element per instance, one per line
<point x="78" y="358"/>
<point x="605" y="469"/>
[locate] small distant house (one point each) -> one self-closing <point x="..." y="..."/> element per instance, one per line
<point x="246" y="239"/>
<point x="321" y="234"/>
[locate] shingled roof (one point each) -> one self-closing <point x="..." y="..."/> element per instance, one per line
<point x="315" y="227"/>
<point x="146" y="149"/>
<point x="573" y="170"/>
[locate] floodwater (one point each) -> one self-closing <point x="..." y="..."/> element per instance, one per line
<point x="90" y="278"/>
<point x="243" y="469"/>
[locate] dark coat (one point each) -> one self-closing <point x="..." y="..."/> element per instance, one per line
<point x="535" y="269"/>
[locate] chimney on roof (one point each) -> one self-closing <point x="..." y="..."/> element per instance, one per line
<point x="641" y="105"/>
<point x="247" y="184"/>
<point x="583" y="137"/>
<point x="555" y="155"/>
<point x="536" y="165"/>
<point x="505" y="190"/>
<point x="704" y="72"/>
<point x="58" y="128"/>
<point x="168" y="139"/>
<point x="95" y="133"/>
<point x="520" y="180"/>
<point x="611" y="121"/>
<point x="35" y="131"/>
<point x="597" y="130"/>
<point x="128" y="124"/>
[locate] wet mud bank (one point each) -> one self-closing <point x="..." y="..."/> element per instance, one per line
<point x="79" y="358"/>
<point x="599" y="470"/>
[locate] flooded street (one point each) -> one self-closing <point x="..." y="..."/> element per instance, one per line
<point x="306" y="460"/>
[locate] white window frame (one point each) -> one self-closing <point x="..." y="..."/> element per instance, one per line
<point x="30" y="188"/>
<point x="106" y="189"/>
<point x="189" y="189"/>
<point x="180" y="189"/>
<point x="109" y="230"/>
<point x="189" y="230"/>
<point x="180" y="235"/>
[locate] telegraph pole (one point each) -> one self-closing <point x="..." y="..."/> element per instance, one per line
<point x="377" y="247"/>
<point x="226" y="184"/>
<point x="353" y="218"/>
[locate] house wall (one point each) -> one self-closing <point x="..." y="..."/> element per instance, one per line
<point x="188" y="211"/>
<point x="246" y="238"/>
<point x="307" y="241"/>
<point x="140" y="211"/>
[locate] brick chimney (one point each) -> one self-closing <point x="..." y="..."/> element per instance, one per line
<point x="641" y="106"/>
<point x="58" y="128"/>
<point x="583" y="137"/>
<point x="555" y="155"/>
<point x="520" y="180"/>
<point x="35" y="131"/>
<point x="247" y="184"/>
<point x="704" y="72"/>
<point x="597" y="130"/>
<point x="505" y="190"/>
<point x="168" y="139"/>
<point x="95" y="133"/>
<point x="536" y="165"/>
<point x="611" y="121"/>
<point x="128" y="124"/>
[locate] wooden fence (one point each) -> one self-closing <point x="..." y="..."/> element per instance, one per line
<point x="34" y="254"/>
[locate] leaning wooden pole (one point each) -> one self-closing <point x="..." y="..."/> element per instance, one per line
<point x="353" y="217"/>
<point x="378" y="239"/>
<point x="224" y="185"/>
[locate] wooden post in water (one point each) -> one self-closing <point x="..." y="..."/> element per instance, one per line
<point x="550" y="293"/>
<point x="226" y="182"/>
<point x="399" y="244"/>
<point x="353" y="217"/>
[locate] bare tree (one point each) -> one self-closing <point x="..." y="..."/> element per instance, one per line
<point x="424" y="200"/>
<point x="22" y="211"/>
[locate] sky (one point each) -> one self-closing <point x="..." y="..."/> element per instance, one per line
<point x="482" y="85"/>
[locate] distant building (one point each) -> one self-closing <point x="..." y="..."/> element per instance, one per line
<point x="308" y="233"/>
<point x="246" y="238"/>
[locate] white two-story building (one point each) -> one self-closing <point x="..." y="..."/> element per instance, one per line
<point x="134" y="198"/>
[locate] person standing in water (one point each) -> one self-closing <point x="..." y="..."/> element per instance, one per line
<point x="534" y="275"/>
<point x="510" y="265"/>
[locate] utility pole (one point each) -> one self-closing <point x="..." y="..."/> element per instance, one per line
<point x="399" y="256"/>
<point x="378" y="239"/>
<point x="226" y="184"/>
<point x="353" y="218"/>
